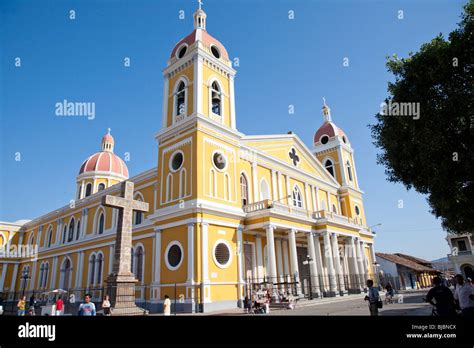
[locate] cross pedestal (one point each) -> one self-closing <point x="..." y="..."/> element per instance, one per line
<point x="121" y="282"/>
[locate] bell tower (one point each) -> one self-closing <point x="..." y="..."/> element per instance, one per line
<point x="199" y="79"/>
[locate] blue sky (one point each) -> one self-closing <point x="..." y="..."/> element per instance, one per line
<point x="282" y="62"/>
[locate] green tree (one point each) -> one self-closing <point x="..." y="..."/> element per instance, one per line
<point x="434" y="153"/>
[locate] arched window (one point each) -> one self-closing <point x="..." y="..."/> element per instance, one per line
<point x="244" y="189"/>
<point x="64" y="234"/>
<point x="139" y="263"/>
<point x="32" y="239"/>
<point x="88" y="189"/>
<point x="297" y="200"/>
<point x="100" y="262"/>
<point x="329" y="165"/>
<point x="79" y="192"/>
<point x="169" y="187"/>
<point x="100" y="224"/>
<point x="349" y="170"/>
<point x="70" y="236"/>
<point x="216" y="99"/>
<point x="264" y="191"/>
<point x="227" y="192"/>
<point x="212" y="183"/>
<point x="92" y="269"/>
<point x="182" y="183"/>
<point x="78" y="229"/>
<point x="41" y="275"/>
<point x="334" y="210"/>
<point x="66" y="274"/>
<point x="46" y="274"/>
<point x="180" y="99"/>
<point x="138" y="215"/>
<point x="357" y="210"/>
<point x="49" y="238"/>
<point x="101" y="187"/>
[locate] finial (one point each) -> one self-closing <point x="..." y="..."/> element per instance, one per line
<point x="326" y="111"/>
<point x="108" y="131"/>
<point x="200" y="4"/>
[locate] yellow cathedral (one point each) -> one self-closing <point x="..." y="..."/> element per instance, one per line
<point x="229" y="213"/>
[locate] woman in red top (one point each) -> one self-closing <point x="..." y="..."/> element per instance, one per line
<point x="59" y="306"/>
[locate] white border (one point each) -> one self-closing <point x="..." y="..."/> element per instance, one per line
<point x="226" y="265"/>
<point x="168" y="247"/>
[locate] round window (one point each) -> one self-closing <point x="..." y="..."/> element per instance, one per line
<point x="174" y="255"/>
<point x="324" y="139"/>
<point x="215" y="52"/>
<point x="222" y="254"/>
<point x="219" y="160"/>
<point x="176" y="161"/>
<point x="182" y="51"/>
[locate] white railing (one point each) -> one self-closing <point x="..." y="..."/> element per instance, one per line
<point x="260" y="205"/>
<point x="323" y="214"/>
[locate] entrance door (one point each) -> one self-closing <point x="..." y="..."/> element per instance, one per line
<point x="249" y="262"/>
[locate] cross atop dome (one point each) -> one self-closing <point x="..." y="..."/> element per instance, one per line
<point x="200" y="17"/>
<point x="326" y="111"/>
<point x="108" y="142"/>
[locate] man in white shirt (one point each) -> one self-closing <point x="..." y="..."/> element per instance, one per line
<point x="464" y="295"/>
<point x="167" y="306"/>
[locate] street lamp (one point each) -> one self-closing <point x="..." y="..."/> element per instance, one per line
<point x="25" y="276"/>
<point x="376" y="265"/>
<point x="307" y="261"/>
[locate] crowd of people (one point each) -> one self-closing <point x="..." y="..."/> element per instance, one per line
<point x="446" y="302"/>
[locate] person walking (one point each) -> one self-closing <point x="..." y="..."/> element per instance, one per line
<point x="167" y="306"/>
<point x="373" y="298"/>
<point x="59" y="306"/>
<point x="247" y="305"/>
<point x="21" y="306"/>
<point x="106" y="305"/>
<point x="464" y="296"/>
<point x="88" y="308"/>
<point x="444" y="299"/>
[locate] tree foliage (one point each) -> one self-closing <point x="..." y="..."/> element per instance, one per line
<point x="434" y="154"/>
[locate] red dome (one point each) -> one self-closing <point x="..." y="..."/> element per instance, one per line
<point x="331" y="130"/>
<point x="207" y="39"/>
<point x="105" y="161"/>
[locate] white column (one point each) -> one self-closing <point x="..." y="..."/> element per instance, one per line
<point x="15" y="274"/>
<point x="111" y="258"/>
<point x="372" y="252"/>
<point x="198" y="94"/>
<point x="271" y="267"/>
<point x="306" y="197"/>
<point x="280" y="188"/>
<point x="3" y="275"/>
<point x="155" y="194"/>
<point x="80" y="268"/>
<point x="288" y="191"/>
<point x="190" y="279"/>
<point x="31" y="285"/>
<point x="165" y="102"/>
<point x="364" y="257"/>
<point x="337" y="261"/>
<point x="279" y="258"/>
<point x="360" y="263"/>
<point x="328" y="197"/>
<point x="342" y="165"/>
<point x="316" y="193"/>
<point x="58" y="232"/>
<point x="286" y="259"/>
<point x="274" y="186"/>
<point x="38" y="240"/>
<point x="85" y="216"/>
<point x="255" y="182"/>
<point x="312" y="265"/>
<point x="355" y="277"/>
<point x="53" y="270"/>
<point x="329" y="261"/>
<point x="258" y="246"/>
<point x="318" y="259"/>
<point x="206" y="290"/>
<point x="157" y="261"/>
<point x="232" y="102"/>
<point x="294" y="258"/>
<point x="240" y="262"/>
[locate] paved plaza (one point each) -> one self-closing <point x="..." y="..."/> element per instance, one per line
<point x="352" y="305"/>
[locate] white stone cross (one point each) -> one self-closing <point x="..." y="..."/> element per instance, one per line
<point x="123" y="241"/>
